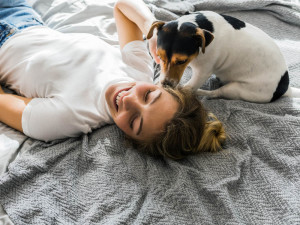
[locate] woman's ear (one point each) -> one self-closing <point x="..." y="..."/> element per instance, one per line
<point x="157" y="25"/>
<point x="205" y="38"/>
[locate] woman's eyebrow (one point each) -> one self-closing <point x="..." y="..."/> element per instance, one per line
<point x="141" y="123"/>
<point x="155" y="98"/>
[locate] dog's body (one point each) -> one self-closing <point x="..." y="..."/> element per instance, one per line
<point x="246" y="60"/>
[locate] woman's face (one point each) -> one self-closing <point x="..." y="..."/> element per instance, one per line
<point x="140" y="109"/>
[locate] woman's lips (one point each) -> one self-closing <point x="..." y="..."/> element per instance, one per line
<point x="115" y="97"/>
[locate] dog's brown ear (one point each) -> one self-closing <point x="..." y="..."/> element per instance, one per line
<point x="156" y="24"/>
<point x="205" y="36"/>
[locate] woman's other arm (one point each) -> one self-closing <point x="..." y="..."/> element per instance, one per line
<point x="11" y="109"/>
<point x="133" y="19"/>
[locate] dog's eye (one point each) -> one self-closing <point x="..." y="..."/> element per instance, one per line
<point x="179" y="62"/>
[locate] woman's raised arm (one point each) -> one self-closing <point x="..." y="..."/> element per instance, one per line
<point x="133" y="19"/>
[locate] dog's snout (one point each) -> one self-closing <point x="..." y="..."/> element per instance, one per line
<point x="169" y="82"/>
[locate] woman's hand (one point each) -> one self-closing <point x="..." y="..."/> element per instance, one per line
<point x="153" y="46"/>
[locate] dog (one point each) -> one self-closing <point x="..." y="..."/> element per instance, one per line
<point x="245" y="59"/>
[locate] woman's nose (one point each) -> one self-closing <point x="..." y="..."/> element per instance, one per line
<point x="130" y="102"/>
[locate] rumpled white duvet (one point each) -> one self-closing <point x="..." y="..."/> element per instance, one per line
<point x="95" y="178"/>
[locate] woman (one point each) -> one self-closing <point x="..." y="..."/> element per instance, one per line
<point x="69" y="84"/>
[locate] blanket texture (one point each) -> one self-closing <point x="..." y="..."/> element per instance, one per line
<point x="98" y="179"/>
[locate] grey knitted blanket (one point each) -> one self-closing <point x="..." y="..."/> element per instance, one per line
<point x="98" y="179"/>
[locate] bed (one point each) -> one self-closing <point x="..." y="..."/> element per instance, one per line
<point x="98" y="179"/>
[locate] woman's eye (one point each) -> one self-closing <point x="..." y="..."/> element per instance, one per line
<point x="147" y="95"/>
<point x="132" y="121"/>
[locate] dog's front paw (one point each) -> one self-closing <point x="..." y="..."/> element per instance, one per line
<point x="201" y="92"/>
<point x="210" y="94"/>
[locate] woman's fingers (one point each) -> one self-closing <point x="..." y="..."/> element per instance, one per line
<point x="152" y="48"/>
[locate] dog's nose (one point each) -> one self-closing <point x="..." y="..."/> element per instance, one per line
<point x="169" y="82"/>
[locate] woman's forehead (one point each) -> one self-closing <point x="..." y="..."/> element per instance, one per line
<point x="159" y="114"/>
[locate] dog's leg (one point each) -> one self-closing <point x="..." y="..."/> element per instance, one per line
<point x="209" y="94"/>
<point x="197" y="80"/>
<point x="232" y="90"/>
<point x="235" y="91"/>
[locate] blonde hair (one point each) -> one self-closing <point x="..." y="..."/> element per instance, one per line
<point x="213" y="135"/>
<point x="191" y="130"/>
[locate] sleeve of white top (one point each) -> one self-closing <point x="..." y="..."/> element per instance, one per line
<point x="136" y="55"/>
<point x="48" y="119"/>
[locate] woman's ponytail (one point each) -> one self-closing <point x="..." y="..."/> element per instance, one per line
<point x="213" y="135"/>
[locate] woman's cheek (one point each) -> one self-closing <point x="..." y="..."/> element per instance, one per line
<point x="122" y="122"/>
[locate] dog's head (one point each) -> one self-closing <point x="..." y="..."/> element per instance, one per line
<point x="177" y="46"/>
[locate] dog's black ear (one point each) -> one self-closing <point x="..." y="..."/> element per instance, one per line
<point x="156" y="24"/>
<point x="209" y="37"/>
<point x="205" y="38"/>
